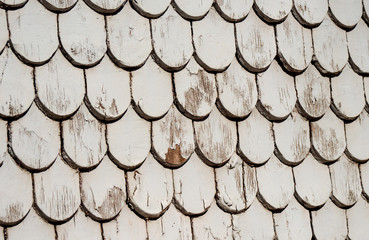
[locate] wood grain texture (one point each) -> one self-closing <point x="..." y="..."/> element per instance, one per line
<point x="345" y="14"/>
<point x="295" y="47"/>
<point x="364" y="171"/>
<point x="60" y="87"/>
<point x="16" y="200"/>
<point x="345" y="179"/>
<point x="150" y="9"/>
<point x="35" y="140"/>
<point x="82" y="35"/>
<point x="108" y="90"/>
<point x="172" y="42"/>
<point x="213" y="39"/>
<point x="347" y="94"/>
<point x="312" y="183"/>
<point x="148" y="199"/>
<point x="313" y="93"/>
<point x="14" y="101"/>
<point x="255" y="223"/>
<point x="103" y="190"/>
<point x="293" y="222"/>
<point x="194" y="186"/>
<point x="84" y="143"/>
<point x="310" y="12"/>
<point x="152" y="90"/>
<point x="173" y="138"/>
<point x="237" y="91"/>
<point x="172" y="225"/>
<point x="329" y="222"/>
<point x="275" y="182"/>
<point x="233" y="10"/>
<point x="33" y="227"/>
<point x="195" y="90"/>
<point x="358" y="219"/>
<point x="256" y="138"/>
<point x="13" y="3"/>
<point x="129" y="140"/>
<point x="328" y="137"/>
<point x="192" y="9"/>
<point x="273" y="10"/>
<point x="129" y="39"/>
<point x="127" y="225"/>
<point x="357" y="138"/>
<point x="213" y="225"/>
<point x="4" y="34"/>
<point x="330" y="47"/>
<point x="256" y="46"/>
<point x="77" y="228"/>
<point x="56" y="191"/>
<point x="277" y="94"/>
<point x="358" y="46"/>
<point x="34" y="46"/>
<point x="292" y="139"/>
<point x="3" y="143"/>
<point x="216" y="138"/>
<point x="105" y="6"/>
<point x="57" y="5"/>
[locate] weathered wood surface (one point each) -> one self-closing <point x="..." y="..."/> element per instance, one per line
<point x="3" y="143"/>
<point x="364" y="172"/>
<point x="273" y="10"/>
<point x="103" y="190"/>
<point x="172" y="225"/>
<point x="195" y="90"/>
<point x="213" y="39"/>
<point x="14" y="101"/>
<point x="129" y="140"/>
<point x="35" y="139"/>
<point x="129" y="39"/>
<point x="358" y="219"/>
<point x="60" y="87"/>
<point x="313" y="93"/>
<point x="173" y="138"/>
<point x="237" y="91"/>
<point x="194" y="186"/>
<point x="295" y="47"/>
<point x="330" y="47"/>
<point x="150" y="9"/>
<point x="216" y="138"/>
<point x="172" y="42"/>
<point x="234" y="10"/>
<point x="150" y="188"/>
<point x="13" y="3"/>
<point x="152" y="90"/>
<point x="312" y="183"/>
<point x="193" y="9"/>
<point x="108" y="90"/>
<point x="310" y="12"/>
<point x="4" y="34"/>
<point x="57" y="5"/>
<point x="256" y="43"/>
<point x="82" y="35"/>
<point x="57" y="193"/>
<point x="105" y="6"/>
<point x="358" y="46"/>
<point x="34" y="46"/>
<point x="277" y="94"/>
<point x="346" y="14"/>
<point x="366" y="10"/>
<point x="16" y="200"/>
<point x="366" y="91"/>
<point x="357" y="138"/>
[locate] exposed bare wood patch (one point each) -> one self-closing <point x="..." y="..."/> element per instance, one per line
<point x="234" y="10"/>
<point x="129" y="37"/>
<point x="152" y="90"/>
<point x="35" y="139"/>
<point x="106" y="6"/>
<point x="293" y="222"/>
<point x="57" y="5"/>
<point x="172" y="138"/>
<point x="34" y="46"/>
<point x="60" y="87"/>
<point x="345" y="14"/>
<point x="216" y="138"/>
<point x="273" y="10"/>
<point x="82" y="35"/>
<point x="310" y="12"/>
<point x="313" y="92"/>
<point x="256" y="43"/>
<point x="16" y="192"/>
<point x="192" y="9"/>
<point x="194" y="186"/>
<point x="195" y="90"/>
<point x="129" y="140"/>
<point x="358" y="219"/>
<point x="358" y="46"/>
<point x="171" y="36"/>
<point x="148" y="199"/>
<point x="172" y="225"/>
<point x="84" y="142"/>
<point x="150" y="9"/>
<point x="213" y="39"/>
<point x="312" y="183"/>
<point x="56" y="192"/>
